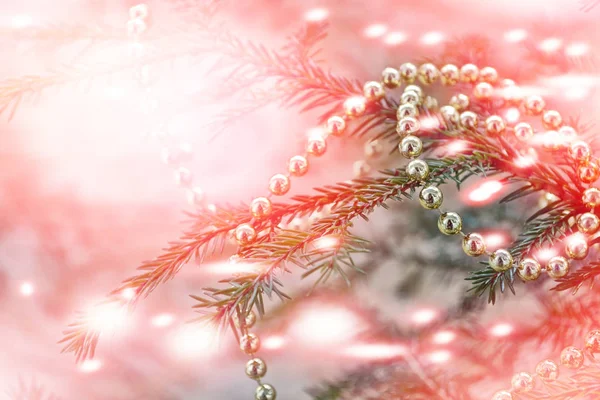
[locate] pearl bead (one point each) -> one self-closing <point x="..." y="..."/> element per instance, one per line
<point x="355" y="106"/>
<point x="522" y="382"/>
<point x="571" y="357"/>
<point x="408" y="126"/>
<point x="588" y="223"/>
<point x="410" y="97"/>
<point x="534" y="105"/>
<point x="488" y="74"/>
<point x="408" y="72"/>
<point x="494" y="125"/>
<point x="414" y="88"/>
<point x="298" y="166"/>
<point x="547" y="370"/>
<point x="512" y="94"/>
<point x="551" y="141"/>
<point x="428" y="73"/>
<point x="523" y="131"/>
<point x="390" y="77"/>
<point x="449" y="223"/>
<point x="250" y="318"/>
<point x="407" y="110"/>
<point x="580" y="151"/>
<point x="557" y="267"/>
<point x="373" y="149"/>
<point x="449" y="114"/>
<point x="576" y="247"/>
<point x="591" y="197"/>
<point x="469" y="73"/>
<point x="568" y="134"/>
<point x="592" y="342"/>
<point x="483" y="91"/>
<point x="501" y="260"/>
<point x="502" y="395"/>
<point x="261" y="207"/>
<point x="411" y="146"/>
<point x="256" y="368"/>
<point x="417" y="170"/>
<point x="431" y="197"/>
<point x="279" y="184"/>
<point x="589" y="172"/>
<point x="529" y="269"/>
<point x="459" y="101"/>
<point x="265" y="392"/>
<point x="336" y="125"/>
<point x="430" y="103"/>
<point x="249" y="343"/>
<point x="473" y="244"/>
<point x="469" y="120"/>
<point x="316" y="146"/>
<point x="373" y="91"/>
<point x="245" y="234"/>
<point x="449" y="75"/>
<point x="551" y="119"/>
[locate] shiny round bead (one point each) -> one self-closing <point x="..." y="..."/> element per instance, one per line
<point x="557" y="267"/>
<point x="592" y="342"/>
<point x="183" y="176"/>
<point x="534" y="105"/>
<point x="507" y="83"/>
<point x="551" y="119"/>
<point x="459" y="101"/>
<point x="245" y="234"/>
<point x="473" y="244"/>
<point x="410" y="97"/>
<point x="469" y="120"/>
<point x="261" y="207"/>
<point x="279" y="184"/>
<point x="390" y="77"/>
<point x="430" y="103"/>
<point x="428" y="73"/>
<point x="568" y="134"/>
<point x="588" y="223"/>
<point x="547" y="370"/>
<point x="361" y="168"/>
<point x="483" y="91"/>
<point x="373" y="149"/>
<point x="355" y="106"/>
<point x="298" y="165"/>
<point x="139" y="11"/>
<point x="411" y="146"/>
<point x="250" y="318"/>
<point x="265" y="392"/>
<point x="580" y="151"/>
<point x="417" y="170"/>
<point x="136" y="27"/>
<point x="408" y="126"/>
<point x="591" y="197"/>
<point x="256" y="368"/>
<point x="529" y="269"/>
<point x="195" y="196"/>
<point x="522" y="382"/>
<point x="316" y="146"/>
<point x="449" y="223"/>
<point x="469" y="73"/>
<point x="407" y="110"/>
<point x="249" y="343"/>
<point x="373" y="91"/>
<point x="501" y="260"/>
<point x="523" y="131"/>
<point x="571" y="357"/>
<point x="576" y="247"/>
<point x="589" y="172"/>
<point x="336" y="125"/>
<point x="488" y="74"/>
<point x="449" y="114"/>
<point x="502" y="395"/>
<point x="414" y="88"/>
<point x="408" y="72"/>
<point x="494" y="125"/>
<point x="512" y="94"/>
<point x="551" y="141"/>
<point x="431" y="197"/>
<point x="449" y="75"/>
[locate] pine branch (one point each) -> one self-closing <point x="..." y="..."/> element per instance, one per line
<point x="31" y="391"/>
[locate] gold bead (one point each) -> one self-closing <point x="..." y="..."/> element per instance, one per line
<point x="373" y="91"/>
<point x="390" y="77"/>
<point x="361" y="168"/>
<point x="529" y="269"/>
<point x="469" y="73"/>
<point x="507" y="83"/>
<point x="450" y="115"/>
<point x="501" y="260"/>
<point x="571" y="357"/>
<point x="551" y="141"/>
<point x="428" y="73"/>
<point x="411" y="146"/>
<point x="502" y="395"/>
<point x="483" y="91"/>
<point x="469" y="120"/>
<point x="336" y="125"/>
<point x="373" y="149"/>
<point x="430" y="103"/>
<point x="459" y="101"/>
<point x="580" y="151"/>
<point x="316" y="146"/>
<point x="592" y="342"/>
<point x="551" y="119"/>
<point x="488" y="74"/>
<point x="298" y="166"/>
<point x="417" y="170"/>
<point x="265" y="392"/>
<point x="414" y="88"/>
<point x="591" y="197"/>
<point x="576" y="247"/>
<point x="512" y="94"/>
<point x="523" y="131"/>
<point x="245" y="234"/>
<point x="256" y="368"/>
<point x="473" y="244"/>
<point x="449" y="75"/>
<point x="568" y="134"/>
<point x="261" y="207"/>
<point x="547" y="370"/>
<point x="534" y="105"/>
<point x="522" y="382"/>
<point x="408" y="126"/>
<point x="355" y="106"/>
<point x="250" y="318"/>
<point x="449" y="223"/>
<point x="589" y="172"/>
<point x="431" y="197"/>
<point x="410" y="97"/>
<point x="249" y="343"/>
<point x="588" y="223"/>
<point x="494" y="125"/>
<point x="557" y="267"/>
<point x="279" y="184"/>
<point x="407" y="110"/>
<point x="408" y="72"/>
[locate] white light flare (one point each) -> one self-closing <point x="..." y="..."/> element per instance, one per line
<point x="457" y="147"/>
<point x="194" y="342"/>
<point x="108" y="318"/>
<point x="543" y="255"/>
<point x="485" y="191"/>
<point x="229" y="267"/>
<point x="577" y="49"/>
<point x="90" y="366"/>
<point x="375" y="30"/>
<point x="325" y="325"/>
<point x="443" y="337"/>
<point x="432" y="122"/>
<point x="163" y="320"/>
<point x="128" y="293"/>
<point x="27" y="289"/>
<point x="424" y="316"/>
<point x="316" y="15"/>
<point x="495" y="240"/>
<point x="328" y="242"/>
<point x="512" y="115"/>
<point x="439" y="356"/>
<point x="432" y="38"/>
<point x="274" y="342"/>
<point x="502" y="329"/>
<point x="375" y="351"/>
<point x="525" y="161"/>
<point x="550" y="45"/>
<point x="515" y="35"/>
<point x="395" y="38"/>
